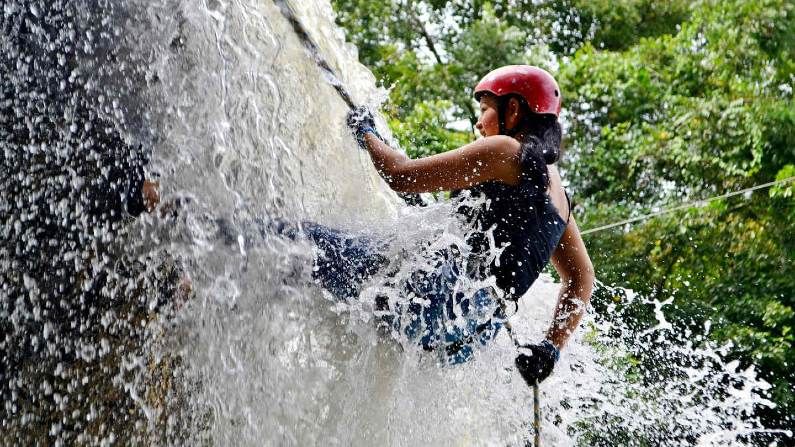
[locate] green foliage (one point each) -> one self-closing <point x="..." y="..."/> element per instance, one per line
<point x="665" y="102"/>
<point x="702" y="109"/>
<point x="422" y="132"/>
<point x="688" y="116"/>
<point x="607" y="24"/>
<point x="784" y="190"/>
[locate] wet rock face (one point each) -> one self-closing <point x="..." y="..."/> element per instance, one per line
<point x="92" y="93"/>
<point x="72" y="144"/>
<point x="73" y="147"/>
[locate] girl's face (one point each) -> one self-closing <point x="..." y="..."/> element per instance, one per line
<point x="488" y="124"/>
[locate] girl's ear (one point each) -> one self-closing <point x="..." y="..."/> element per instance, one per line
<point x="512" y="112"/>
<point x="514" y="107"/>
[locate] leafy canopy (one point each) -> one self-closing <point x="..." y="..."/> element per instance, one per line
<point x="664" y="102"/>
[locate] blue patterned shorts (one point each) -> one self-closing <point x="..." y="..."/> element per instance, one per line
<point x="432" y="313"/>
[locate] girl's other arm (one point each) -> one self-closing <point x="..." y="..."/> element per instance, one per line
<point x="574" y="266"/>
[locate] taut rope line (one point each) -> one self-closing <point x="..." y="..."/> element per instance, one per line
<point x="687" y="205"/>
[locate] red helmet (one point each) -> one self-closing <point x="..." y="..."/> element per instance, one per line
<point x="535" y="85"/>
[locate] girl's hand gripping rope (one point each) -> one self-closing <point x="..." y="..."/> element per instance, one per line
<point x="360" y="121"/>
<point x="537" y="361"/>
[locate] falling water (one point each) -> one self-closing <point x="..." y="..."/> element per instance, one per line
<point x="188" y="324"/>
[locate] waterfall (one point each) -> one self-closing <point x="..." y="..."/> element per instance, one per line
<point x="190" y="324"/>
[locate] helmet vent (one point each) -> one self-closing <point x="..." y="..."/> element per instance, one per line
<point x="556" y="93"/>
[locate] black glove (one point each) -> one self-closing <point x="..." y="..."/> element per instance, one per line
<point x="538" y="365"/>
<point x="361" y="122"/>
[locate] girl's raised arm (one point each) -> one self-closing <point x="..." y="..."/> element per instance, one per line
<point x="490" y="158"/>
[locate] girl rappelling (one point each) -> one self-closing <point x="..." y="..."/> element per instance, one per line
<point x="512" y="167"/>
<point x="528" y="213"/>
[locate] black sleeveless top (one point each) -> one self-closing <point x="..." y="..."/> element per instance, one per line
<point x="526" y="229"/>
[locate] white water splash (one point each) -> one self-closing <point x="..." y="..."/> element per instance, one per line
<point x="245" y="126"/>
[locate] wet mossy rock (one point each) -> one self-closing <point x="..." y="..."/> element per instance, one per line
<point x="78" y="313"/>
<point x="93" y="95"/>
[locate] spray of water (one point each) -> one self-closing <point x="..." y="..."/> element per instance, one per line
<point x="191" y="324"/>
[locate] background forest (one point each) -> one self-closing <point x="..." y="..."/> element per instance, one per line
<point x="664" y="103"/>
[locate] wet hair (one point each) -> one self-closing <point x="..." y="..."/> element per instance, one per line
<point x="541" y="144"/>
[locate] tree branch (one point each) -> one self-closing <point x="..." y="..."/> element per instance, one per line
<point x="428" y="39"/>
<point x="472" y="117"/>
